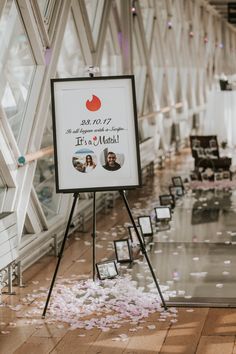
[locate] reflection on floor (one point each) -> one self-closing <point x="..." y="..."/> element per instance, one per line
<point x="195" y="259"/>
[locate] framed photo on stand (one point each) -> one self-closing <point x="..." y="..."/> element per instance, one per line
<point x="176" y="191"/>
<point x="194" y="176"/>
<point x="226" y="175"/>
<point x="177" y="181"/>
<point x="145" y="225"/>
<point x="218" y="176"/>
<point x="163" y="214"/>
<point x="204" y="176"/>
<point x="107" y="270"/>
<point x="133" y="236"/>
<point x="123" y="250"/>
<point x="167" y="200"/>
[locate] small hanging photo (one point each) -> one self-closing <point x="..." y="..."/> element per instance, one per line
<point x="106" y="270"/>
<point x="123" y="250"/>
<point x="145" y="225"/>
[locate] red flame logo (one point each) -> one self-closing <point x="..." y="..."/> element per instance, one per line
<point x="94" y="104"/>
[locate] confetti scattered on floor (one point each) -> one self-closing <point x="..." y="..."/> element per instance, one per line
<point x="101" y="304"/>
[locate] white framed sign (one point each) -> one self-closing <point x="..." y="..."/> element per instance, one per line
<point x="95" y="134"/>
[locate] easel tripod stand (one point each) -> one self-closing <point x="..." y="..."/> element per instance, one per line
<point x="143" y="249"/>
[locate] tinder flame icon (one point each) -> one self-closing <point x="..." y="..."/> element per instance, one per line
<point x="94" y="104"/>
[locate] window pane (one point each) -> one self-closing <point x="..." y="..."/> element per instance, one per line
<point x="17" y="67"/>
<point x="43" y="4"/>
<point x="70" y="64"/>
<point x="48" y="10"/>
<point x="70" y="61"/>
<point x="94" y="10"/>
<point x="147" y="9"/>
<point x="3" y="190"/>
<point x="139" y="71"/>
<point x="44" y="179"/>
<point x="111" y="62"/>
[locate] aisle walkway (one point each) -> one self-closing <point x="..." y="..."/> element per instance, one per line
<point x="188" y="269"/>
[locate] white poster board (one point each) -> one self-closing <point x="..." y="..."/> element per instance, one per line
<point x="95" y="134"/>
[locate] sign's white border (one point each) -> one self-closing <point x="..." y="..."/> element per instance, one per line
<point x="93" y="117"/>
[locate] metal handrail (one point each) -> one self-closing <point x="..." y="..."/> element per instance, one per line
<point x="22" y="160"/>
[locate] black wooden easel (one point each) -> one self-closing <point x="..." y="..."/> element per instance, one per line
<point x="94" y="235"/>
<point x="142" y="246"/>
<point x="143" y="249"/>
<point x="61" y="252"/>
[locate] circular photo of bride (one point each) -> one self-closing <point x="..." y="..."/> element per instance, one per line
<point x="84" y="160"/>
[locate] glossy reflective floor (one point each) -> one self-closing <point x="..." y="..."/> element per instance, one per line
<point x="194" y="257"/>
<point x="193" y="260"/>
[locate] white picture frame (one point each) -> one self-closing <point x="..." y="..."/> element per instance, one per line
<point x="123" y="250"/>
<point x="95" y="134"/>
<point x="177" y="181"/>
<point x="167" y="200"/>
<point x="176" y="191"/>
<point x="145" y="225"/>
<point x="163" y="213"/>
<point x="133" y="236"/>
<point x="107" y="269"/>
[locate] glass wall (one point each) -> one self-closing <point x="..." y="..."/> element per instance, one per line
<point x="3" y="190"/>
<point x="111" y="58"/>
<point x="94" y="11"/>
<point x="44" y="179"/>
<point x="70" y="63"/>
<point x="17" y="67"/>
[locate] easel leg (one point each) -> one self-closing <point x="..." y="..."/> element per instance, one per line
<point x="94" y="235"/>
<point x="61" y="253"/>
<point x="143" y="249"/>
